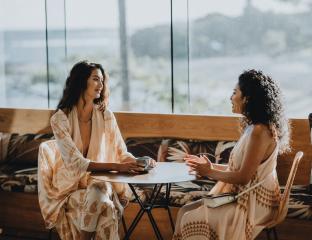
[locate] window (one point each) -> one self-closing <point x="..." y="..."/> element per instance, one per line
<point x="23" y="72"/>
<point x="183" y="56"/>
<point x="226" y="38"/>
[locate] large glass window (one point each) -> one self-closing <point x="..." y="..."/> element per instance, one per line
<point x="56" y="49"/>
<point x="87" y="30"/>
<point x="117" y="35"/>
<point x="181" y="56"/>
<point x="227" y="37"/>
<point x="149" y="67"/>
<point x="23" y="72"/>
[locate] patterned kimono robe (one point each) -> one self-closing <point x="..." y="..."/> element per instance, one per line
<point x="69" y="198"/>
<point x="244" y="219"/>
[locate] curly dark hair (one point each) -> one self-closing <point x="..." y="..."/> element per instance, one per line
<point x="76" y="84"/>
<point x="264" y="105"/>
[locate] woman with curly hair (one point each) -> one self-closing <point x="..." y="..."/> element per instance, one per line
<point x="265" y="133"/>
<point x="87" y="139"/>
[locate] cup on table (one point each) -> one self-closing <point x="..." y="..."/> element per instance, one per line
<point x="145" y="162"/>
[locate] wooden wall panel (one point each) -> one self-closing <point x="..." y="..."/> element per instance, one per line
<point x="178" y="126"/>
<point x="28" y="217"/>
<point x="25" y="120"/>
<point x="300" y="141"/>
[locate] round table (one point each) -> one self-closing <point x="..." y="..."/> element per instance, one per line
<point x="164" y="173"/>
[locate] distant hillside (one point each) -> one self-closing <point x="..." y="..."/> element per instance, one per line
<point x="218" y="35"/>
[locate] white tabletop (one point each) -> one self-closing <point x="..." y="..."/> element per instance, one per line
<point x="164" y="172"/>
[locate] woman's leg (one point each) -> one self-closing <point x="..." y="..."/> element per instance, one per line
<point x="101" y="211"/>
<point x="84" y="208"/>
<point x="96" y="199"/>
<point x="108" y="222"/>
<point x="182" y="211"/>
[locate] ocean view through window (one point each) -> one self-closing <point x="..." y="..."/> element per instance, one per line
<point x="213" y="42"/>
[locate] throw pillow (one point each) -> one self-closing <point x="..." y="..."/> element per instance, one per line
<point x="140" y="147"/>
<point x="216" y="151"/>
<point x="4" y="143"/>
<point x="23" y="149"/>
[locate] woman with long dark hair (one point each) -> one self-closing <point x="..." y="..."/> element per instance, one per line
<point x="265" y="133"/>
<point x="87" y="139"/>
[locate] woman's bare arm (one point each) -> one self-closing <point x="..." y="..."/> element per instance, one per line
<point x="256" y="150"/>
<point x="99" y="166"/>
<point x="129" y="165"/>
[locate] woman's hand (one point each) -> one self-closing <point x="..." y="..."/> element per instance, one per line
<point x="102" y="107"/>
<point x="200" y="165"/>
<point x="129" y="165"/>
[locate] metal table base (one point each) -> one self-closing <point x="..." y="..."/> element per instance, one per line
<point x="148" y="206"/>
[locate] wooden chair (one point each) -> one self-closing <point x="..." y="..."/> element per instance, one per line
<point x="283" y="207"/>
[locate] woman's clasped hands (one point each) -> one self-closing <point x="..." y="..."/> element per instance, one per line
<point x="199" y="165"/>
<point x="130" y="165"/>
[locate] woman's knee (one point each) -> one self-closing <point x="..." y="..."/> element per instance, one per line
<point x="193" y="205"/>
<point x="189" y="207"/>
<point x="97" y="189"/>
<point x="96" y="201"/>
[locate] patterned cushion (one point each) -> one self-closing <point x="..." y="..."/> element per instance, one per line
<point x="20" y="181"/>
<point x="300" y="203"/>
<point x="174" y="150"/>
<point x="4" y="143"/>
<point x="216" y="151"/>
<point x="23" y="149"/>
<point x="140" y="147"/>
<point x="18" y="172"/>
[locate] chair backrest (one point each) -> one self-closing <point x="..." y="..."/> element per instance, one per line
<point x="283" y="206"/>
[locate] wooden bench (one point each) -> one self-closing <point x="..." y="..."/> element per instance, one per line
<point x="19" y="212"/>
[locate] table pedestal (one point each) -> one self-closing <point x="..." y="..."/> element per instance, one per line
<point x="147" y="207"/>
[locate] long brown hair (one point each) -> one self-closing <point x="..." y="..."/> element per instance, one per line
<point x="76" y="85"/>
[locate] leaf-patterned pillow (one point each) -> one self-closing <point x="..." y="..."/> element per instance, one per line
<point x="23" y="149"/>
<point x="216" y="151"/>
<point x="140" y="147"/>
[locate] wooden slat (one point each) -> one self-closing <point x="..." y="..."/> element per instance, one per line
<point x="300" y="141"/>
<point x="178" y="126"/>
<point x="25" y="120"/>
<point x="132" y="124"/>
<point x="27" y="217"/>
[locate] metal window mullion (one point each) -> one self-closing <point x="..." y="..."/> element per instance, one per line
<point x="47" y="51"/>
<point x="171" y="45"/>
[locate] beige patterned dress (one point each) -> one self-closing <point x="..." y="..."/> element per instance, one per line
<point x="70" y="200"/>
<point x="244" y="219"/>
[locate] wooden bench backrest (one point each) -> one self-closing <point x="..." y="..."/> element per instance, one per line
<point x="172" y="125"/>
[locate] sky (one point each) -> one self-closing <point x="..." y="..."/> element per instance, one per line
<point x="30" y="14"/>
